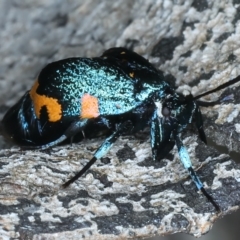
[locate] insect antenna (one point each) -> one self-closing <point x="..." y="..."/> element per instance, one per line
<point x="224" y="85"/>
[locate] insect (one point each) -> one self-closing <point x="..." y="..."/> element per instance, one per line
<point x="115" y="94"/>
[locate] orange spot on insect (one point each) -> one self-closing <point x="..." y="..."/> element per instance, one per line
<point x="90" y="107"/>
<point x="54" y="109"/>
<point x="131" y="74"/>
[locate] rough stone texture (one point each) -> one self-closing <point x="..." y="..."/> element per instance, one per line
<point x="196" y="44"/>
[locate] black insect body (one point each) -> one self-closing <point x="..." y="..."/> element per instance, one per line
<point x="115" y="94"/>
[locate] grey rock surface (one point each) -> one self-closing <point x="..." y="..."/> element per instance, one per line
<point x="126" y="194"/>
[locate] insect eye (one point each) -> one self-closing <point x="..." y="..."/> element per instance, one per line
<point x="166" y="112"/>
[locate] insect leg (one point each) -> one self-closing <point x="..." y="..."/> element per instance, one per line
<point x="185" y="159"/>
<point x="74" y="128"/>
<point x="155" y="135"/>
<point x="160" y="137"/>
<point x="101" y="151"/>
<point x="199" y="124"/>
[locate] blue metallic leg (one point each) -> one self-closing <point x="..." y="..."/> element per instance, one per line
<point x="185" y="159"/>
<point x="101" y="151"/>
<point x="74" y="128"/>
<point x="160" y="137"/>
<point x="155" y="135"/>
